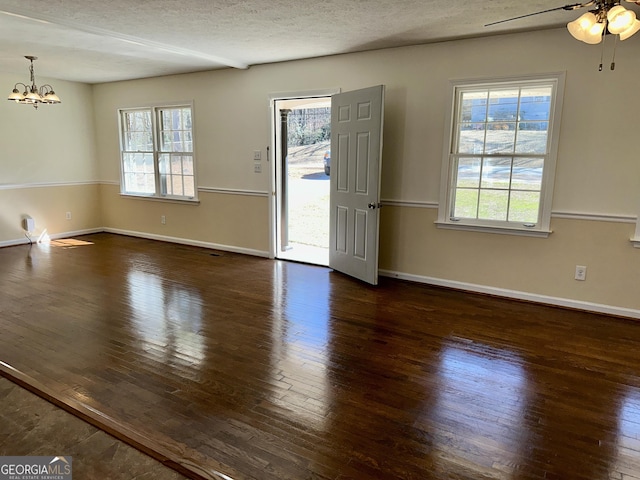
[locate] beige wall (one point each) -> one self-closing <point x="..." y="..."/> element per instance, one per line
<point x="230" y="222"/>
<point x="597" y="188"/>
<point x="536" y="267"/>
<point x="48" y="206"/>
<point x="48" y="164"/>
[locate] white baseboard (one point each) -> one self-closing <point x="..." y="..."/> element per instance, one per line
<point x="52" y="236"/>
<point x="186" y="241"/>
<point x="518" y="295"/>
<point x="470" y="287"/>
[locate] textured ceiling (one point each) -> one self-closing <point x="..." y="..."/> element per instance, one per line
<point x="100" y="41"/>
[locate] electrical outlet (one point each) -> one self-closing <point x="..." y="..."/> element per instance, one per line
<point x="581" y="273"/>
<point x="163" y="220"/>
<point x="68" y="216"/>
<point x="257" y="168"/>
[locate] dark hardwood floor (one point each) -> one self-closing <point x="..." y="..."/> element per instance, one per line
<point x="229" y="366"/>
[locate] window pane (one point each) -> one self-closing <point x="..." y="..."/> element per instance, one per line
<point x="188" y="141"/>
<point x="144" y="161"/>
<point x="524" y="207"/>
<point x="503" y="105"/>
<point x="137" y="162"/>
<point x="177" y="185"/>
<point x="466" y="203"/>
<point x="139" y="183"/>
<point x="473" y="106"/>
<point x="527" y="174"/>
<point x="189" y="186"/>
<point x="187" y="165"/>
<point x="137" y="131"/>
<point x="165" y="142"/>
<point x="535" y="103"/>
<point x="493" y="204"/>
<point x="163" y="163"/>
<point x="500" y="138"/>
<point x="165" y="119"/>
<point x="471" y="138"/>
<point x="164" y="181"/>
<point x="532" y="137"/>
<point x="143" y="141"/>
<point x="496" y="173"/>
<point x="137" y="121"/>
<point x="138" y="173"/>
<point x="468" y="172"/>
<point x="176" y="165"/>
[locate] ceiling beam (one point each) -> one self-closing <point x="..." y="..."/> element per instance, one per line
<point x="123" y="37"/>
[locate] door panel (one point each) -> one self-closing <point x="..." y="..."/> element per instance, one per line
<point x="356" y="156"/>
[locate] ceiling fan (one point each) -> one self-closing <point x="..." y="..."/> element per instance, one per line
<point x="606" y="17"/>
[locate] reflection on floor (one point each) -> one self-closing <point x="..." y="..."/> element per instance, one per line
<point x="30" y="425"/>
<point x="298" y="252"/>
<point x="247" y="368"/>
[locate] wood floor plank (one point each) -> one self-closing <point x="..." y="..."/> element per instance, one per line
<point x="245" y="367"/>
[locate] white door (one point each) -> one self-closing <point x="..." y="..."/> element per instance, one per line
<point x="356" y="160"/>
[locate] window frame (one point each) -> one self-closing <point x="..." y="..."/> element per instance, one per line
<point x="155" y="112"/>
<point x="450" y="156"/>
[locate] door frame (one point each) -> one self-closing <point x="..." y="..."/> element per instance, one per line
<point x="274" y="149"/>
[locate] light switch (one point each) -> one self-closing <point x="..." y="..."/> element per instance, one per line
<point x="257" y="155"/>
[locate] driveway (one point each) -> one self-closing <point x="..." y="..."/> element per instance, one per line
<point x="308" y="196"/>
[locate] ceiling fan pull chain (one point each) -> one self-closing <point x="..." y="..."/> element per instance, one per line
<point x="602" y="52"/>
<point x="613" y="60"/>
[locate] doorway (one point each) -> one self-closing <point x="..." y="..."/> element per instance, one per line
<point x="302" y="157"/>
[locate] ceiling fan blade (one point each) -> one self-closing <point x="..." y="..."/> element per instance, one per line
<point x="573" y="6"/>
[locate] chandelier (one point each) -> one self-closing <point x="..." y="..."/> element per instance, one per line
<point x="32" y="95"/>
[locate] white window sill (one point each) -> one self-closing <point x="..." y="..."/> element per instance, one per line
<point x="525" y="232"/>
<point x="635" y="242"/>
<point x="191" y="201"/>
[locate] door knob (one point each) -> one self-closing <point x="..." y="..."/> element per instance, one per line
<point x="372" y="205"/>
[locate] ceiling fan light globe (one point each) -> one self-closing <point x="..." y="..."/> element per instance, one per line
<point x="615" y="11"/>
<point x="633" y="29"/>
<point x="620" y="19"/>
<point x="594" y="35"/>
<point x="576" y="30"/>
<point x="587" y="20"/>
<point x="580" y="28"/>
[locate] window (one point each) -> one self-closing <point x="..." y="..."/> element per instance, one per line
<point x="499" y="161"/>
<point x="157" y="152"/>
